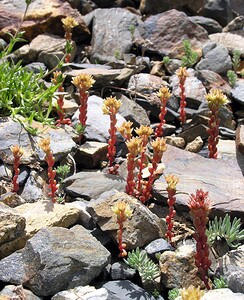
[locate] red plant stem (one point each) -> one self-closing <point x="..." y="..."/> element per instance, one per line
<point x="182" y="100"/>
<point x="146" y="192"/>
<point x="213" y="132"/>
<point x="142" y="164"/>
<point x="51" y="175"/>
<point x="169" y="219"/>
<point x="60" y="110"/>
<point x="163" y="111"/>
<point x="112" y="169"/>
<point x="130" y="186"/>
<point x="121" y="219"/>
<point x="16" y="173"/>
<point x="83" y="110"/>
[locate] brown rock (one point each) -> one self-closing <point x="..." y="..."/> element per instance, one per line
<point x="175" y="141"/>
<point x="168" y="30"/>
<point x="42" y="16"/>
<point x="240" y="138"/>
<point x="195" y="146"/>
<point x="222" y="179"/>
<point x="193" y="132"/>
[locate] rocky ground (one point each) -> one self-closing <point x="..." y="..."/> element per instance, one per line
<point x="69" y="250"/>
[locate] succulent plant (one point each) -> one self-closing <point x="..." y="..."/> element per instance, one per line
<point x="224" y="229"/>
<point x="219" y="283"/>
<point x="173" y="294"/>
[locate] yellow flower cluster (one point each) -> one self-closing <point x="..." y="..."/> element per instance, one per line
<point x="144" y="131"/>
<point x="125" y="129"/>
<point x="192" y="293"/>
<point x="44" y="144"/>
<point x="122" y="207"/>
<point x="134" y="145"/>
<point x="58" y="77"/>
<point x="172" y="181"/>
<point x="216" y="97"/>
<point x="159" y="145"/>
<point x="69" y="23"/>
<point x="164" y="93"/>
<point x="111" y="106"/>
<point x="83" y="81"/>
<point x="16" y="150"/>
<point x="182" y="73"/>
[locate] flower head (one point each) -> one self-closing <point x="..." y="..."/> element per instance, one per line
<point x="200" y="201"/>
<point x="134" y="145"/>
<point x="45" y="144"/>
<point x="216" y="97"/>
<point x="182" y="73"/>
<point x="16" y="150"/>
<point x="172" y="181"/>
<point x="144" y="131"/>
<point x="122" y="207"/>
<point x="164" y="93"/>
<point x="191" y="293"/>
<point x="111" y="106"/>
<point x="69" y="23"/>
<point x="125" y="129"/>
<point x="58" y="77"/>
<point x="83" y="81"/>
<point x="159" y="146"/>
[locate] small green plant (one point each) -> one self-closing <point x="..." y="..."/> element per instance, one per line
<point x="219" y="283"/>
<point x="132" y="29"/>
<point x="173" y="294"/>
<point x="117" y="54"/>
<point x="62" y="172"/>
<point x="166" y="60"/>
<point x="232" y="77"/>
<point x="236" y="59"/>
<point x="225" y="229"/>
<point x="191" y="57"/>
<point x="138" y="259"/>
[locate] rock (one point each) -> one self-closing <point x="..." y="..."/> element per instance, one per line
<point x="212" y="80"/>
<point x="231" y="40"/>
<point x="192" y="132"/>
<point x="238" y="92"/>
<point x="209" y="24"/>
<point x="113" y="35"/>
<point x="223" y="294"/>
<point x="170" y="43"/>
<point x="12" y="224"/>
<point x="46" y="214"/>
<point x="178" y="267"/>
<point x="120" y="270"/>
<point x="133" y="112"/>
<point x="155" y="7"/>
<point x="82" y="292"/>
<point x="158" y="246"/>
<point x="176" y="141"/>
<point x="240" y="138"/>
<point x="216" y="60"/>
<point x="142" y="228"/>
<point x="195" y="146"/>
<point x="11" y="199"/>
<point x="196" y="172"/>
<point x="99" y="130"/>
<point x="90" y="185"/>
<point x="194" y="89"/>
<point x="90" y="154"/>
<point x="116" y="288"/>
<point x="236" y="24"/>
<point x="55" y="259"/>
<point x="13" y="291"/>
<point x="231" y="267"/>
<point x="41" y="17"/>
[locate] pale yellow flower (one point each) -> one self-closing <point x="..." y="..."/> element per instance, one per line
<point x="216" y="97"/>
<point x="111" y="106"/>
<point x="83" y="81"/>
<point x="172" y="181"/>
<point x="122" y="207"/>
<point x="144" y="131"/>
<point x="69" y="23"/>
<point x="192" y="293"/>
<point x="164" y="93"/>
<point x="16" y="150"/>
<point x="181" y="73"/>
<point x="159" y="145"/>
<point x="125" y="129"/>
<point x="134" y="145"/>
<point x="58" y="77"/>
<point x="44" y="144"/>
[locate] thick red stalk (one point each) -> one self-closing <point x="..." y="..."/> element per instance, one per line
<point x="169" y="218"/>
<point x="159" y="129"/>
<point x="51" y="175"/>
<point x="182" y="100"/>
<point x="112" y="169"/>
<point x="213" y="132"/>
<point x="60" y="110"/>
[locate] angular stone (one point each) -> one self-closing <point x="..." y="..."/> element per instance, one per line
<point x="56" y="259"/>
<point x="238" y="92"/>
<point x="176" y="141"/>
<point x="240" y="138"/>
<point x="195" y="146"/>
<point x="178" y="267"/>
<point x="231" y="267"/>
<point x="193" y="132"/>
<point x="90" y="154"/>
<point x="196" y="172"/>
<point x="41" y="17"/>
<point x="236" y="24"/>
<point x="170" y="43"/>
<point x="120" y="270"/>
<point x="223" y="294"/>
<point x="209" y="24"/>
<point x="140" y="229"/>
<point x="90" y="185"/>
<point x="13" y="291"/>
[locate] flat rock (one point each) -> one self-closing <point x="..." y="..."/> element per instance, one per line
<point x="12" y="291"/>
<point x="223" y="294"/>
<point x="196" y="172"/>
<point x="209" y="24"/>
<point x="41" y="17"/>
<point x="56" y="259"/>
<point x="175" y="26"/>
<point x="90" y="185"/>
<point x="142" y="228"/>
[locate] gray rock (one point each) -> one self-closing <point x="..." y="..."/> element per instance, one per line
<point x="138" y="230"/>
<point x="240" y="138"/>
<point x="158" y="246"/>
<point x="90" y="185"/>
<point x="13" y="291"/>
<point x="170" y="43"/>
<point x="236" y="24"/>
<point x="217" y="60"/>
<point x="55" y="259"/>
<point x="129" y="290"/>
<point x="208" y="47"/>
<point x="209" y="24"/>
<point x="223" y="294"/>
<point x="238" y="92"/>
<point x="192" y="132"/>
<point x="120" y="270"/>
<point x="113" y="38"/>
<point x="196" y="172"/>
<point x="231" y="267"/>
